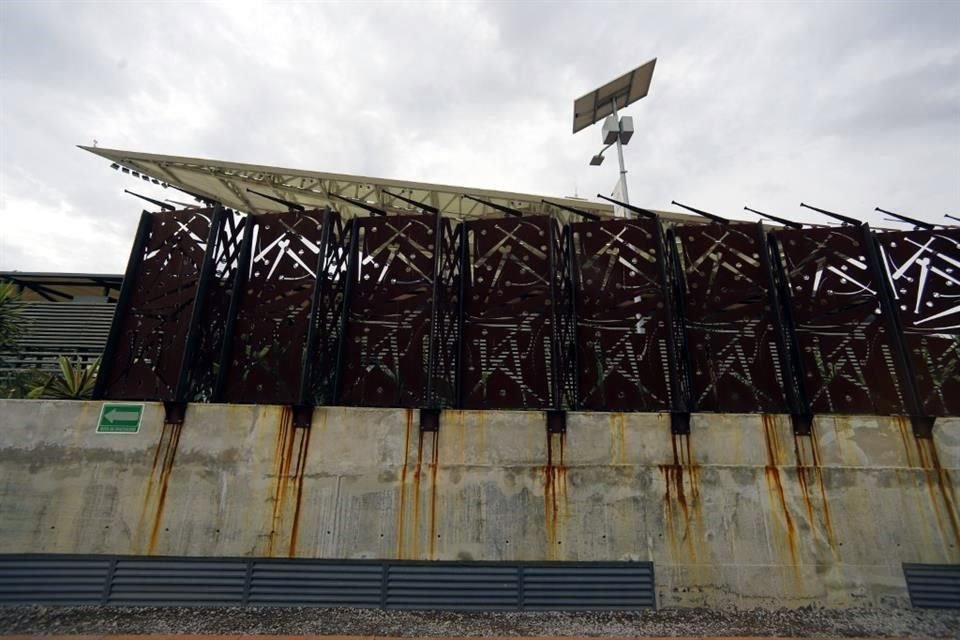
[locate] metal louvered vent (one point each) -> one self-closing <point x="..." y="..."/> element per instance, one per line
<point x="453" y="586"/>
<point x="306" y="583"/>
<point x="933" y="586"/>
<point x="166" y="581"/>
<point x="181" y="581"/>
<point x="76" y="330"/>
<point x="66" y="580"/>
<point x="588" y="586"/>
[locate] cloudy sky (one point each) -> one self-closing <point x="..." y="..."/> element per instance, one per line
<point x="845" y="105"/>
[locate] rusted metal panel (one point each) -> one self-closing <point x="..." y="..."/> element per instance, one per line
<point x="844" y="343"/>
<point x="215" y="306"/>
<point x="389" y="312"/>
<point x="508" y="360"/>
<point x="621" y="315"/>
<point x="923" y="268"/>
<point x="152" y="331"/>
<point x="730" y="330"/>
<point x="270" y="330"/>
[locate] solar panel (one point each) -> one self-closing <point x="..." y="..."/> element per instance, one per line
<point x="626" y="90"/>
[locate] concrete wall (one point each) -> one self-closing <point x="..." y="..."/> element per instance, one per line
<point x="739" y="513"/>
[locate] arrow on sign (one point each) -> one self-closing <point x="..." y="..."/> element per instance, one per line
<point x="122" y="415"/>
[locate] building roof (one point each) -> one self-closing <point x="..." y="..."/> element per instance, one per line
<point x="230" y="182"/>
<point x="63" y="287"/>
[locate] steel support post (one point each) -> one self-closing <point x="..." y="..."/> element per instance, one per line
<point x="922" y="423"/>
<point x="790" y="362"/>
<point x="464" y="233"/>
<point x="677" y="354"/>
<point x="316" y="303"/>
<point x="196" y="314"/>
<point x="353" y="229"/>
<point x="571" y="273"/>
<point x="236" y="297"/>
<point x="123" y="302"/>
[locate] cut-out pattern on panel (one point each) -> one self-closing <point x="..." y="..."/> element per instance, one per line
<point x="621" y="317"/>
<point x="390" y="306"/>
<point x="730" y="330"/>
<point x="270" y="329"/>
<point x="923" y="268"/>
<point x="508" y="315"/>
<point x="845" y="349"/>
<point x="153" y="332"/>
<point x="216" y="306"/>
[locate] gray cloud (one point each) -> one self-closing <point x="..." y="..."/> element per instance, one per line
<point x="848" y="105"/>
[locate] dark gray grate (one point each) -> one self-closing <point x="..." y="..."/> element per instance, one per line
<point x="52" y="579"/>
<point x="453" y="586"/>
<point x="306" y="583"/>
<point x="933" y="586"/>
<point x="182" y="581"/>
<point x="588" y="586"/>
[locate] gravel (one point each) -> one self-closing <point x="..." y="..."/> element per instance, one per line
<point x="812" y="622"/>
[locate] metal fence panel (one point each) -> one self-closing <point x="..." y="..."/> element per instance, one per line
<point x="731" y="335"/>
<point x="151" y="335"/>
<point x="923" y="268"/>
<point x="621" y="312"/>
<point x="270" y="329"/>
<point x="844" y="344"/>
<point x="389" y="312"/>
<point x="933" y="586"/>
<point x="508" y="358"/>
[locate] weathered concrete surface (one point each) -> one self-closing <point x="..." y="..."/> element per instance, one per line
<point x="740" y="513"/>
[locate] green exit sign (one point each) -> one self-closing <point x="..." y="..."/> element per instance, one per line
<point x="120" y="417"/>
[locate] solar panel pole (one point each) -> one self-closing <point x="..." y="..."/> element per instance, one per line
<point x="623" y="169"/>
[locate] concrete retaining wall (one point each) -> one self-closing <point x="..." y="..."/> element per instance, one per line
<point x="739" y="513"/>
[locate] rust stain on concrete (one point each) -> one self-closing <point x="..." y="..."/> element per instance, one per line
<point x="164" y="456"/>
<point x="775" y="484"/>
<point x="434" y="463"/>
<point x="938" y="482"/>
<point x="810" y="477"/>
<point x="680" y="509"/>
<point x="289" y="463"/>
<point x="555" y="493"/>
<point x="401" y="510"/>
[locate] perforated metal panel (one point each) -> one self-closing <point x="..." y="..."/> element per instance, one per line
<point x="933" y="586"/>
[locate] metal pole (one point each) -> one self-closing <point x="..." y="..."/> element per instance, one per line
<point x="623" y="169"/>
<point x="123" y="303"/>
